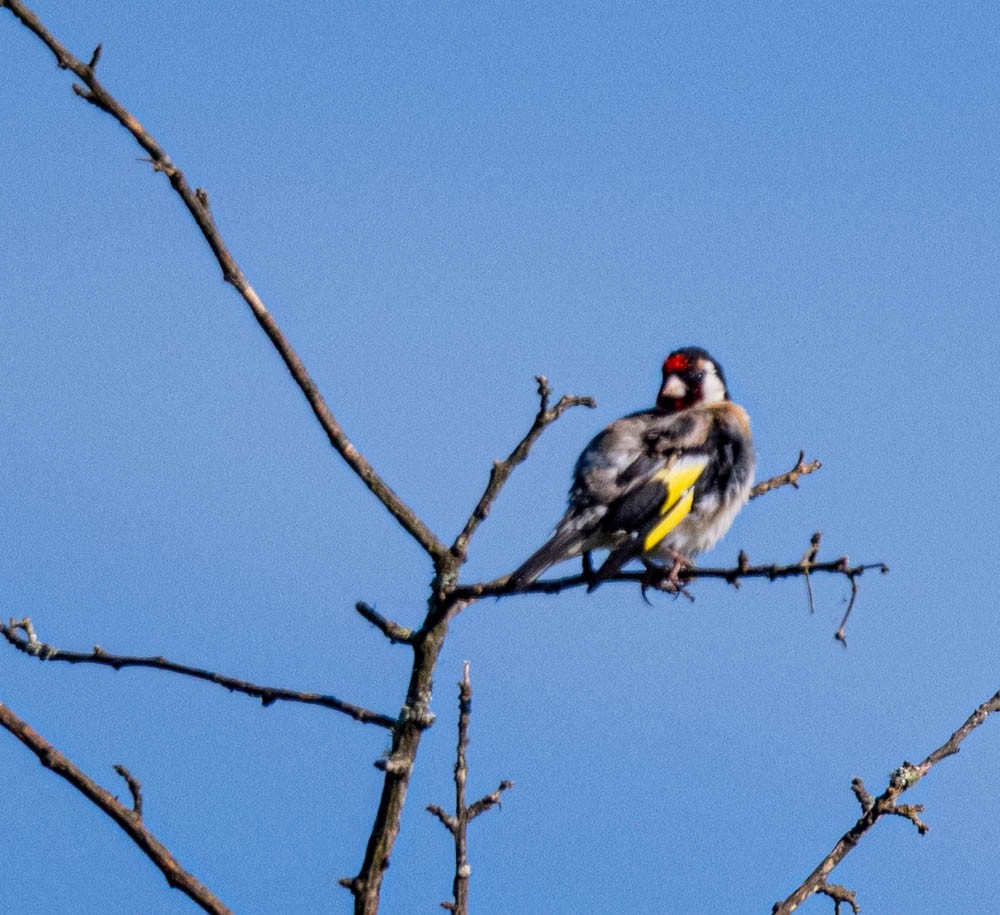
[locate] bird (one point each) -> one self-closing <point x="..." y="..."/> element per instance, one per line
<point x="660" y="485"/>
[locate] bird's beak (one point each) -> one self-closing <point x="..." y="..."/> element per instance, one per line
<point x="673" y="388"/>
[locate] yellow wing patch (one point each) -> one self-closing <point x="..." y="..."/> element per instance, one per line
<point x="678" y="480"/>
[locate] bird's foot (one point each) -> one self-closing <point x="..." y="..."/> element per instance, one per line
<point x="666" y="579"/>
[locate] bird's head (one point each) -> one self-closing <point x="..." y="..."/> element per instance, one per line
<point x="690" y="376"/>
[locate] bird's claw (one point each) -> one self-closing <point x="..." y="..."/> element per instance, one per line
<point x="665" y="579"/>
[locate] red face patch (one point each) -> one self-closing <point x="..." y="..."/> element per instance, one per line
<point x="676" y="364"/>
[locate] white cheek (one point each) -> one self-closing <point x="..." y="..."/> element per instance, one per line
<point x="712" y="388"/>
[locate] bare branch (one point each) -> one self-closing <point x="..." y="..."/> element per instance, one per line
<point x="487" y="802"/>
<point x="458" y="825"/>
<point x="853" y="578"/>
<point x="873" y="809"/>
<point x="130" y="820"/>
<point x="807" y="560"/>
<point x="414" y="719"/>
<point x="790" y="478"/>
<point x="30" y="645"/>
<point x="743" y="569"/>
<point x="196" y="202"/>
<point x="839" y="894"/>
<point x="861" y="793"/>
<point x="392" y="631"/>
<point x="135" y="789"/>
<point x="447" y="820"/>
<point x="503" y="469"/>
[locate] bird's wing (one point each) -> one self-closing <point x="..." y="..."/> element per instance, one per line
<point x="652" y="508"/>
<point x="657" y="490"/>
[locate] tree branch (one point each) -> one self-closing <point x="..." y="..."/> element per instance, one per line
<point x="789" y="478"/>
<point x="392" y="631"/>
<point x="503" y="469"/>
<point x="414" y="719"/>
<point x="197" y="204"/>
<point x="743" y="569"/>
<point x="135" y="789"/>
<point x="873" y="809"/>
<point x="130" y="820"/>
<point x="458" y="825"/>
<point x="30" y="645"/>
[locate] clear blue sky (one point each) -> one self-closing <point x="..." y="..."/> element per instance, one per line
<point x="439" y="201"/>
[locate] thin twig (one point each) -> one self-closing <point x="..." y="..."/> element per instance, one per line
<point x="489" y="801"/>
<point x="502" y="470"/>
<point x="873" y="809"/>
<point x="392" y="631"/>
<point x="458" y="825"/>
<point x="130" y="820"/>
<point x="134" y="787"/>
<point x="840" y="894"/>
<point x="789" y="478"/>
<point x="807" y="562"/>
<point x="29" y="644"/>
<point x="852" y="576"/>
<point x="447" y="820"/>
<point x="196" y="202"/>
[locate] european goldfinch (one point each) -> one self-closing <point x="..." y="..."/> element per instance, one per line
<point x="661" y="484"/>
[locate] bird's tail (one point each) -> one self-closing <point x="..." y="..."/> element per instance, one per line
<point x="565" y="543"/>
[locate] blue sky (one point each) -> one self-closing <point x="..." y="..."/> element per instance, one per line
<point x="437" y="202"/>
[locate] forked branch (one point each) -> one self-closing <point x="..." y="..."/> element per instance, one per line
<point x="789" y="478"/>
<point x="874" y="808"/>
<point x="502" y="470"/>
<point x="458" y="823"/>
<point x="128" y="818"/>
<point x="196" y="200"/>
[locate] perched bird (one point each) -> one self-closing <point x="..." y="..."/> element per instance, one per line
<point x="661" y="484"/>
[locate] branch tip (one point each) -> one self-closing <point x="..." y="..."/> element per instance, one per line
<point x="501" y="471"/>
<point x="789" y="478"/>
<point x="839" y="894"/>
<point x="134" y="787"/>
<point x="544" y="392"/>
<point x="395" y="633"/>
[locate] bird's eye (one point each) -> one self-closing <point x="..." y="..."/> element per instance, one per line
<point x="697" y="377"/>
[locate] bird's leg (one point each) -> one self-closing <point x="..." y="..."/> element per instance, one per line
<point x="663" y="578"/>
<point x="589" y="573"/>
<point x="680" y="562"/>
